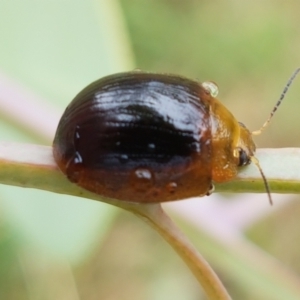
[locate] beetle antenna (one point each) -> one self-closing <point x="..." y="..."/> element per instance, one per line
<point x="256" y="162"/>
<point x="257" y="132"/>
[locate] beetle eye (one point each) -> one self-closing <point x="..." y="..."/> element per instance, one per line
<point x="243" y="158"/>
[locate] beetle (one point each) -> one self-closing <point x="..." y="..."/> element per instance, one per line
<point x="148" y="137"/>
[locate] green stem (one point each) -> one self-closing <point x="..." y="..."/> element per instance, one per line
<point x="33" y="166"/>
<point x="154" y="215"/>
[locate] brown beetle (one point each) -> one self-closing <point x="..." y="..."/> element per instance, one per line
<point x="145" y="137"/>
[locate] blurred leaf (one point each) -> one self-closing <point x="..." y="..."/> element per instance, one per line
<point x="56" y="48"/>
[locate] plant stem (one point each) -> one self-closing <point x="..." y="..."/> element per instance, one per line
<point x="154" y="215"/>
<point x="33" y="166"/>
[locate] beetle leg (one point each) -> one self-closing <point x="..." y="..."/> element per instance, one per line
<point x="211" y="189"/>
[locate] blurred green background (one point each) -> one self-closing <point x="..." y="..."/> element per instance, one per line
<point x="58" y="247"/>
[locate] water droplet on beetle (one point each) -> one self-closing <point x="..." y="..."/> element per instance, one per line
<point x="123" y="158"/>
<point x="172" y="186"/>
<point x="211" y="88"/>
<point x="142" y="179"/>
<point x="151" y="146"/>
<point x="73" y="167"/>
<point x="143" y="174"/>
<point x="77" y="158"/>
<point x="76" y="136"/>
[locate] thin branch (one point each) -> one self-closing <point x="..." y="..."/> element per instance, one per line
<point x="33" y="166"/>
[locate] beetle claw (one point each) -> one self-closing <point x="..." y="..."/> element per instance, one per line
<point x="211" y="190"/>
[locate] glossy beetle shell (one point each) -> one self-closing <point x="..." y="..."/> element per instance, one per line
<point x="144" y="137"/>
